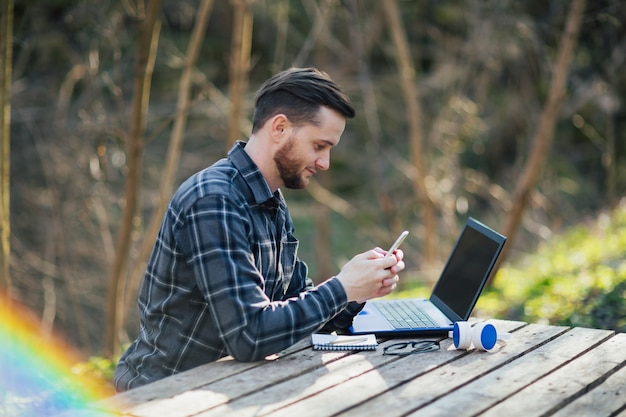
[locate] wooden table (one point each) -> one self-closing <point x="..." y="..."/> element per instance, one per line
<point x="541" y="370"/>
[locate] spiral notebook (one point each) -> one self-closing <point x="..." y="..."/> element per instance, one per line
<point x="343" y="342"/>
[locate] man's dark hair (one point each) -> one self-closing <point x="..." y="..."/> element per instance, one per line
<point x="298" y="93"/>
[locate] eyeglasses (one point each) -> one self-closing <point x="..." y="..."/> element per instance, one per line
<point x="411" y="348"/>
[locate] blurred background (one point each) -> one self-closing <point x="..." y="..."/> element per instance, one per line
<point x="511" y="112"/>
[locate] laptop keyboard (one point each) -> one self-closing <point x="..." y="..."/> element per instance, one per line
<point x="404" y="314"/>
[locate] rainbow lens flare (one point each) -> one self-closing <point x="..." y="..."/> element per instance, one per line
<point x="36" y="377"/>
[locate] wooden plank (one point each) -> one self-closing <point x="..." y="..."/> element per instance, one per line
<point x="334" y="398"/>
<point x="486" y="391"/>
<point x="604" y="400"/>
<point x="302" y="386"/>
<point x="564" y="385"/>
<point x="377" y="384"/>
<point x="170" y="386"/>
<point x="424" y="389"/>
<point x="193" y="378"/>
<point x="190" y="396"/>
<point x="226" y="390"/>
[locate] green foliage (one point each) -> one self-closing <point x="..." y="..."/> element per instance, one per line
<point x="98" y="370"/>
<point x="577" y="279"/>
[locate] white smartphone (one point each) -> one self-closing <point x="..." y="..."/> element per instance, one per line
<point x="397" y="243"/>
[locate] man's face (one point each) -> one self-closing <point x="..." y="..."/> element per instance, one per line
<point x="308" y="149"/>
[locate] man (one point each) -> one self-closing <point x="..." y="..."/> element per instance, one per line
<point x="224" y="277"/>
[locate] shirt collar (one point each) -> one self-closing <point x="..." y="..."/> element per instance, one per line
<point x="251" y="173"/>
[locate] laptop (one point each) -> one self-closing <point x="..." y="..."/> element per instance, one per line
<point x="453" y="297"/>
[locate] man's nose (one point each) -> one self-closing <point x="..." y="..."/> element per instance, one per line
<point x="323" y="163"/>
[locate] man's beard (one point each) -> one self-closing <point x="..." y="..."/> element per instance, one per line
<point x="290" y="169"/>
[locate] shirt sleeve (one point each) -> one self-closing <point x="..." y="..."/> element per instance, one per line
<point x="343" y="319"/>
<point x="215" y="237"/>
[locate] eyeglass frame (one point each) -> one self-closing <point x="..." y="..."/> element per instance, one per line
<point x="418" y="346"/>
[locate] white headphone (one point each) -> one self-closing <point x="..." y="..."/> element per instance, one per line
<point x="483" y="336"/>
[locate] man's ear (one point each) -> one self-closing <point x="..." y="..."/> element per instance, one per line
<point x="279" y="125"/>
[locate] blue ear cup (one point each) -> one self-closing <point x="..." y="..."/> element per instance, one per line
<point x="483" y="336"/>
<point x="462" y="335"/>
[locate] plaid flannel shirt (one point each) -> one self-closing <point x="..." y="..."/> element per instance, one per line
<point x="224" y="279"/>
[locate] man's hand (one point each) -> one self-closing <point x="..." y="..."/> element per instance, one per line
<point x="370" y="275"/>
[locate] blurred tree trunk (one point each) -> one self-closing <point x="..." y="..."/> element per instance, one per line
<point x="282" y="28"/>
<point x="609" y="160"/>
<point x="321" y="12"/>
<point x="174" y="148"/>
<point x="372" y="120"/>
<point x="414" y="119"/>
<point x="149" y="30"/>
<point x="239" y="66"/>
<point x="542" y="140"/>
<point x="323" y="235"/>
<point x="6" y="62"/>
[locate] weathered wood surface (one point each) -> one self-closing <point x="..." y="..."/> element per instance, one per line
<point x="541" y="370"/>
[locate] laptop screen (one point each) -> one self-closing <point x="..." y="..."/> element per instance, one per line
<point x="468" y="269"/>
